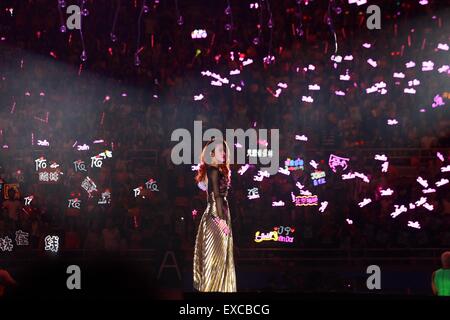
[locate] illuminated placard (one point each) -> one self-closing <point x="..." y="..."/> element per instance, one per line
<point x="292" y="164"/>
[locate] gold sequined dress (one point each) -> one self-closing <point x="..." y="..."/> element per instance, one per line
<point x="213" y="253"/>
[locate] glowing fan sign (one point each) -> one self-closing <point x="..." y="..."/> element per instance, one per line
<point x="387" y="192"/>
<point x="284" y="171"/>
<point x="47" y="174"/>
<point x="79" y="165"/>
<point x="323" y="206"/>
<point x="414" y="224"/>
<point x="261" y="175"/>
<point x="106" y="198"/>
<point x="398" y="210"/>
<point x="74" y="203"/>
<point x="335" y="161"/>
<point x="6" y="244"/>
<point x="244" y="168"/>
<point x="292" y="165"/>
<point x="199" y="34"/>
<point x="43" y="143"/>
<point x="22" y="238"/>
<point x="311" y="200"/>
<point x="51" y="243"/>
<point x="279" y="234"/>
<point x="97" y="160"/>
<point x="318" y="177"/>
<point x="7" y="187"/>
<point x="137" y="191"/>
<point x="260" y="153"/>
<point x="314" y="164"/>
<point x="28" y="200"/>
<point x="151" y="185"/>
<point x="49" y="177"/>
<point x="41" y="163"/>
<point x="83" y="147"/>
<point x="89" y="186"/>
<point x="253" y="193"/>
<point x="278" y="203"/>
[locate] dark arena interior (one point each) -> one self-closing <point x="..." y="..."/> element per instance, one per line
<point x="338" y="182"/>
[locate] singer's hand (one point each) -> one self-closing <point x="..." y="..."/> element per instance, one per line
<point x="222" y="225"/>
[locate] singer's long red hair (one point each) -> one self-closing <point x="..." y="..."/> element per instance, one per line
<point x="223" y="167"/>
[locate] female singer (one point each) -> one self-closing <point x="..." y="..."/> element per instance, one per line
<point x="213" y="254"/>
